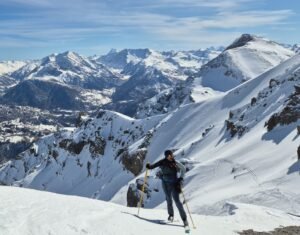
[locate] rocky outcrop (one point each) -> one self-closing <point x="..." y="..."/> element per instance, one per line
<point x="289" y="114"/>
<point x="241" y="41"/>
<point x="234" y="128"/>
<point x="133" y="196"/>
<point x="71" y="146"/>
<point x="135" y="191"/>
<point x="97" y="147"/>
<point x="292" y="230"/>
<point x="134" y="162"/>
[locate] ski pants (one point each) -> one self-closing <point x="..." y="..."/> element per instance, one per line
<point x="171" y="193"/>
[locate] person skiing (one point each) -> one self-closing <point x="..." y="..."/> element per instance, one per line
<point x="171" y="183"/>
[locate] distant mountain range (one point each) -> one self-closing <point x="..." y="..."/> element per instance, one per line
<point x="133" y="75"/>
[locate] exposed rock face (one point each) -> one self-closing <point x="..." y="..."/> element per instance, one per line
<point x="134" y="161"/>
<point x="242" y="41"/>
<point x="234" y="129"/>
<point x="285" y="90"/>
<point x="289" y="230"/>
<point x="97" y="146"/>
<point x="133" y="196"/>
<point x="71" y="146"/>
<point x="289" y="114"/>
<point x="135" y="191"/>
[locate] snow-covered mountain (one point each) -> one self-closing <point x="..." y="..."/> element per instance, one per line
<point x="119" y="59"/>
<point x="30" y="212"/>
<point x="104" y="153"/>
<point x="160" y="60"/>
<point x="5" y="83"/>
<point x="174" y="97"/>
<point x="234" y="145"/>
<point x="149" y="72"/>
<point x="49" y="95"/>
<point x="20" y="126"/>
<point x="132" y="75"/>
<point x="65" y="80"/>
<point x="69" y="68"/>
<point x="296" y="48"/>
<point x="246" y="58"/>
<point x="7" y="67"/>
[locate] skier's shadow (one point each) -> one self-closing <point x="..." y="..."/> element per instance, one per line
<point x="294" y="168"/>
<point x="155" y="221"/>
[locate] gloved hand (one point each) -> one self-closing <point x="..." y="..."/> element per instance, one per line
<point x="148" y="165"/>
<point x="178" y="187"/>
<point x="180" y="180"/>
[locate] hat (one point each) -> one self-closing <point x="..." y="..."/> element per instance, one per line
<point x="168" y="152"/>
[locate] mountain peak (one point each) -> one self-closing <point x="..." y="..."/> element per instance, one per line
<point x="242" y="40"/>
<point x="68" y="54"/>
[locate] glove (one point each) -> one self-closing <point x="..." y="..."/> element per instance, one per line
<point x="178" y="187"/>
<point x="148" y="165"/>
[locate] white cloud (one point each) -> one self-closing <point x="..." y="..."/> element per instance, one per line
<point x="76" y="20"/>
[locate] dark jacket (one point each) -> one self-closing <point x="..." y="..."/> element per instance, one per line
<point x="169" y="169"/>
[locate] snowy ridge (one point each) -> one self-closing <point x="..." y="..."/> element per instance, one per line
<point x="161" y="60"/>
<point x="7" y="67"/>
<point x="149" y="72"/>
<point x="246" y="58"/>
<point x="69" y="68"/>
<point x="296" y="48"/>
<point x="100" y="152"/>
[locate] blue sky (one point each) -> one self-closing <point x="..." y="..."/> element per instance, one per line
<point x="32" y="29"/>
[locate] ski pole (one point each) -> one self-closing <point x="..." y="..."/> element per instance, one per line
<point x="188" y="208"/>
<point x="143" y="188"/>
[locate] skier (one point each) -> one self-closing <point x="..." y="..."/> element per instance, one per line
<point x="171" y="183"/>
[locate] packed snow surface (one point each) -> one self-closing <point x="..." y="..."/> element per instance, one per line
<point x="31" y="212"/>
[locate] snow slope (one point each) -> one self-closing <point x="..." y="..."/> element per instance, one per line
<point x="230" y="152"/>
<point x="10" y="66"/>
<point x="91" y="161"/>
<point x="246" y="58"/>
<point x="30" y="212"/>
